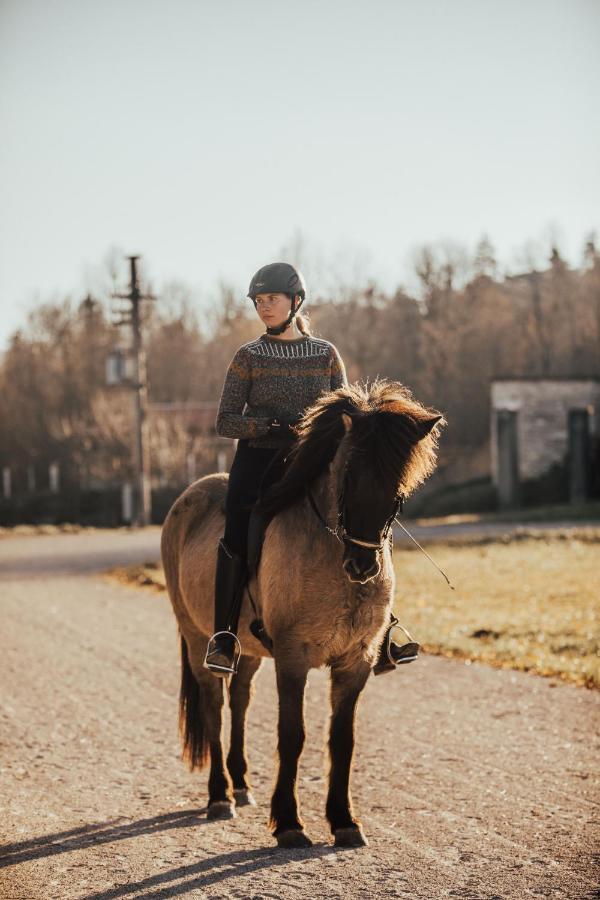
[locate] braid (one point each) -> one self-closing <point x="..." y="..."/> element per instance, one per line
<point x="302" y="321"/>
<point x="303" y="324"/>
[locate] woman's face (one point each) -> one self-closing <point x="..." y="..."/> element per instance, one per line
<point x="273" y="309"/>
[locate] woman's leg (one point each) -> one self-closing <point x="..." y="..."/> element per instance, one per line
<point x="251" y="467"/>
<point x="246" y="474"/>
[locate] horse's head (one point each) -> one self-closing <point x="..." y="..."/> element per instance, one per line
<point x="388" y="449"/>
<point x="376" y="444"/>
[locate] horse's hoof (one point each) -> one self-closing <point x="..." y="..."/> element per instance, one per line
<point x="243" y="797"/>
<point x="350" y="837"/>
<point x="221" y="809"/>
<point x="294" y="837"/>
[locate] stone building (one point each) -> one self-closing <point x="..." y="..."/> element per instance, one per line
<point x="538" y="424"/>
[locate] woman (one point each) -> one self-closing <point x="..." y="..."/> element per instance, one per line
<point x="269" y="383"/>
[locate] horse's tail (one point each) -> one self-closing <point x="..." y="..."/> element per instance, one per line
<point x="191" y="714"/>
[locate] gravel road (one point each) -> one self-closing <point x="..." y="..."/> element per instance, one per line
<point x="471" y="782"/>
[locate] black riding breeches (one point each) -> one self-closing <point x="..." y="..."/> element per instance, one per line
<point x="253" y="469"/>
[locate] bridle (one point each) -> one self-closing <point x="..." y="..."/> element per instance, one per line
<point x="344" y="537"/>
<point x="341" y="533"/>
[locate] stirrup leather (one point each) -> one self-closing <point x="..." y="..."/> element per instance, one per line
<point x="221" y="668"/>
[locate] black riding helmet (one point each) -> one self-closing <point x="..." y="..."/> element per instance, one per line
<point x="279" y="278"/>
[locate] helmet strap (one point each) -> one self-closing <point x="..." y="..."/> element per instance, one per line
<point x="279" y="329"/>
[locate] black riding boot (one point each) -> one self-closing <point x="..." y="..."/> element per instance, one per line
<point x="392" y="654"/>
<point x="224" y="650"/>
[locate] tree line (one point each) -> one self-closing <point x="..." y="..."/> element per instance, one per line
<point x="446" y="342"/>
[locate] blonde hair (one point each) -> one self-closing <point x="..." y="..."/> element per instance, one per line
<point x="303" y="324"/>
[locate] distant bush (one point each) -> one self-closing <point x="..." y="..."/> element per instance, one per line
<point x="101" y="509"/>
<point x="96" y="508"/>
<point x="475" y="496"/>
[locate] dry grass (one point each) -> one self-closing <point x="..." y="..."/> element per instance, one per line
<point x="589" y="511"/>
<point x="37" y="530"/>
<point x="148" y="575"/>
<point x="527" y="602"/>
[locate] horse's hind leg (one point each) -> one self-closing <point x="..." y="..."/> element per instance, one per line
<point x="240" y="695"/>
<point x="285" y="821"/>
<point x="346" y="686"/>
<point x="207" y="713"/>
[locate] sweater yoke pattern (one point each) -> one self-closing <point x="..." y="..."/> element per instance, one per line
<point x="288" y="350"/>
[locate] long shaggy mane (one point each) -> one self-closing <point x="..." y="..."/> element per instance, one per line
<point x="387" y="435"/>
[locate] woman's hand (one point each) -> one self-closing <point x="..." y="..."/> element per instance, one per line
<point x="283" y="427"/>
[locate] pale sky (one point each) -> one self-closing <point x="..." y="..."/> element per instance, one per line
<point x="204" y="134"/>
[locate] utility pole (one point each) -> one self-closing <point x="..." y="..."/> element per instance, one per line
<point x="141" y="456"/>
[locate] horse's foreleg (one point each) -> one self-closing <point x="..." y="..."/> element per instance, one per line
<point x="210" y="709"/>
<point x="240" y="694"/>
<point x="285" y="821"/>
<point x="346" y="686"/>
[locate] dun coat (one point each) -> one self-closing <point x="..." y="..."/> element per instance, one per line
<point x="323" y="601"/>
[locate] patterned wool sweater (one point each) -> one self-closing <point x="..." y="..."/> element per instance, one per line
<point x="270" y="378"/>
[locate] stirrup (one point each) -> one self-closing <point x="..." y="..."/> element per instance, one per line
<point x="221" y="668"/>
<point x="407" y="652"/>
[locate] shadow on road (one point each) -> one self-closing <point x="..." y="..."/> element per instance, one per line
<point x="198" y="875"/>
<point x="92" y="835"/>
<point x="210" y="871"/>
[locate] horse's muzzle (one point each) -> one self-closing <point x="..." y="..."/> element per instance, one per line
<point x="361" y="571"/>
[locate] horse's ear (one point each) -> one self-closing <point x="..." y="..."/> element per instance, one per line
<point x="347" y="420"/>
<point x="420" y="419"/>
<point x="424" y="426"/>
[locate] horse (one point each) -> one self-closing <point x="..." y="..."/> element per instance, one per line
<point x="324" y="590"/>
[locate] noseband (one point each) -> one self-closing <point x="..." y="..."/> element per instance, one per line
<point x="340" y="531"/>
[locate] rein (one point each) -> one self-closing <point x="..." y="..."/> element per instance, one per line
<point x="340" y="533"/>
